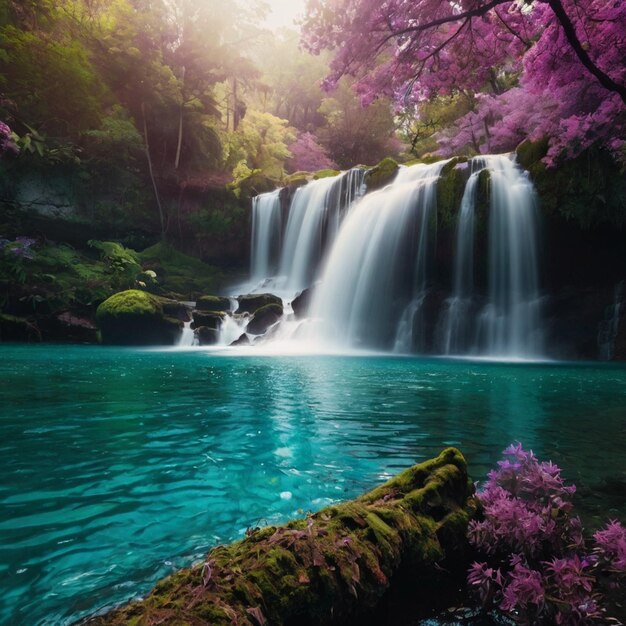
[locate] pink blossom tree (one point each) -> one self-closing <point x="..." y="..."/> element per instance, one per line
<point x="307" y="155"/>
<point x="554" y="68"/>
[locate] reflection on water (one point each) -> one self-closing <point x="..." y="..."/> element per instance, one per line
<point x="120" y="465"/>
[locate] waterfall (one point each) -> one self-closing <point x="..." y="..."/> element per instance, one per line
<point x="510" y="324"/>
<point x="378" y="263"/>
<point x="609" y="326"/>
<point x="456" y="329"/>
<point x="266" y="227"/>
<point x="187" y="337"/>
<point x="373" y="256"/>
<point x="287" y="262"/>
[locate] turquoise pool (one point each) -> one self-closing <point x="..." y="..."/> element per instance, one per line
<point x="120" y="465"/>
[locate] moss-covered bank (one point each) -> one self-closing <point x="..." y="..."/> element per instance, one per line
<point x="330" y="568"/>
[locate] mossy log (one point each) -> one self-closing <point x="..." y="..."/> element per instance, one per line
<point x="330" y="568"/>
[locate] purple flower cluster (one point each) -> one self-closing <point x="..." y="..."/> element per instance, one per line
<point x="539" y="569"/>
<point x="6" y="140"/>
<point x="21" y="248"/>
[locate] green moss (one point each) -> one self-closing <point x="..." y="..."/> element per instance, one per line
<point x="325" y="174"/>
<point x="213" y="303"/>
<point x="252" y="303"/>
<point x="450" y="189"/>
<point x="129" y="303"/>
<point x="297" y="179"/>
<point x="136" y="317"/>
<point x="381" y="174"/>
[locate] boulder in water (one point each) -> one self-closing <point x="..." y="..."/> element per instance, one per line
<point x="253" y="302"/>
<point x="243" y="340"/>
<point x="136" y="317"/>
<point x="207" y="336"/>
<point x="264" y="318"/>
<point x="213" y="303"/>
<point x="300" y="304"/>
<point x="210" y="319"/>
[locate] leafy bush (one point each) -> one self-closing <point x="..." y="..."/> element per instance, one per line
<point x="538" y="566"/>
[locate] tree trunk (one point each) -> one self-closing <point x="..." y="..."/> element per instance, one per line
<point x="332" y="567"/>
<point x="150" y="169"/>
<point x="180" y="121"/>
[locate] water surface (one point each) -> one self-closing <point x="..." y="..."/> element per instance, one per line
<point x="119" y="465"/>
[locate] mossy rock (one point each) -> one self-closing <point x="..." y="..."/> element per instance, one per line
<point x="135" y="317"/>
<point x="381" y="175"/>
<point x="209" y="319"/>
<point x="265" y="317"/>
<point x="450" y="189"/>
<point x="330" y="568"/>
<point x="297" y="179"/>
<point x="213" y="303"/>
<point x="253" y="302"/>
<point x="531" y="152"/>
<point x="325" y="174"/>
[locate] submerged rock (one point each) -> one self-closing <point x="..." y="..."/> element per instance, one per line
<point x="253" y="302"/>
<point x="136" y="317"/>
<point x="265" y="317"/>
<point x="332" y="567"/>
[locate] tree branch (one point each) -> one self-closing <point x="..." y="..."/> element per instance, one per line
<point x="570" y="33"/>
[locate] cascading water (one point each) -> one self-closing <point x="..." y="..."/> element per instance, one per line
<point x="287" y="262"/>
<point x="456" y="329"/>
<point x="510" y="324"/>
<point x="266" y="232"/>
<point x="377" y="289"/>
<point x="378" y="264"/>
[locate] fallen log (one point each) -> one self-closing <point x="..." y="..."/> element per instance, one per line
<point x="328" y="568"/>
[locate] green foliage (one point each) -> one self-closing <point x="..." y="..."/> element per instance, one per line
<point x="589" y="190"/>
<point x="117" y="139"/>
<point x="178" y="273"/>
<point x="53" y="81"/>
<point x="260" y="144"/>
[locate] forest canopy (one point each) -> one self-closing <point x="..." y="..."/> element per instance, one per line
<point x="524" y="69"/>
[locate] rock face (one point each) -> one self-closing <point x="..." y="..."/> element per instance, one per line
<point x="253" y="302"/>
<point x="330" y="568"/>
<point x="264" y="317"/>
<point x="135" y="317"/>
